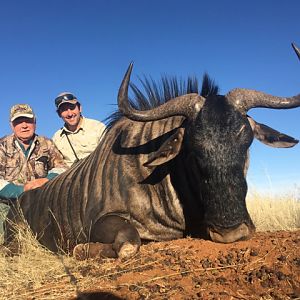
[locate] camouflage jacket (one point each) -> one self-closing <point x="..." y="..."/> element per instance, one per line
<point x="43" y="158"/>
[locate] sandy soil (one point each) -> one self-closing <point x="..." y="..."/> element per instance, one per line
<point x="265" y="267"/>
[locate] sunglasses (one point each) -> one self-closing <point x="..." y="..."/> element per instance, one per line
<point x="64" y="98"/>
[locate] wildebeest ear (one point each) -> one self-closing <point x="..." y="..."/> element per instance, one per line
<point x="167" y="151"/>
<point x="270" y="136"/>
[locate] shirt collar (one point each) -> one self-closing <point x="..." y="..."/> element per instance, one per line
<point x="20" y="145"/>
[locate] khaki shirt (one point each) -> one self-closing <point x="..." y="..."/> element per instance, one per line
<point x="84" y="140"/>
<point x="43" y="158"/>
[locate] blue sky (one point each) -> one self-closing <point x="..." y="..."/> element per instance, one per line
<point x="85" y="47"/>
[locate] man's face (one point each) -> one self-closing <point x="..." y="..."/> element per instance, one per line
<point x="70" y="113"/>
<point x="24" y="128"/>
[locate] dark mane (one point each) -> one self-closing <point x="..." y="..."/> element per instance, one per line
<point x="157" y="93"/>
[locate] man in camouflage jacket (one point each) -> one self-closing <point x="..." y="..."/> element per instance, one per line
<point x="27" y="160"/>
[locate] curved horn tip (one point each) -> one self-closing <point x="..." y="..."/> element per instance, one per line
<point x="296" y="49"/>
<point x="128" y="72"/>
<point x="123" y="90"/>
<point x="126" y="77"/>
<point x="129" y="69"/>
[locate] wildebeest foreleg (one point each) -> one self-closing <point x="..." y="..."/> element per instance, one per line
<point x="112" y="236"/>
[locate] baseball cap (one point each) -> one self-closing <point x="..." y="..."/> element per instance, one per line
<point x="21" y="110"/>
<point x="65" y="97"/>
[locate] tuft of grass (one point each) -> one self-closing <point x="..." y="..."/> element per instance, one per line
<point x="274" y="213"/>
<point x="30" y="269"/>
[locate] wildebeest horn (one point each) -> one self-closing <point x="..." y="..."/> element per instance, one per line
<point x="244" y="99"/>
<point x="185" y="105"/>
<point x="296" y="50"/>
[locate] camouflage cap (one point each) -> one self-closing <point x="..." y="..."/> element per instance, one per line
<point x="21" y="110"/>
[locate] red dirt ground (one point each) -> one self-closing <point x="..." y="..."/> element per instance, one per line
<point x="265" y="267"/>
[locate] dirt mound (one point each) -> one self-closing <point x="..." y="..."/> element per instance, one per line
<point x="265" y="267"/>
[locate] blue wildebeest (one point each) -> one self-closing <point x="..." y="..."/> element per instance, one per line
<point x="158" y="174"/>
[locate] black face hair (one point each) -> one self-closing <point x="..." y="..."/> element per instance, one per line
<point x="169" y="87"/>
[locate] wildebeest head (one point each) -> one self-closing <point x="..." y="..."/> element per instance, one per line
<point x="214" y="143"/>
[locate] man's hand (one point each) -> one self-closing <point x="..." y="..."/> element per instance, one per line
<point x="30" y="185"/>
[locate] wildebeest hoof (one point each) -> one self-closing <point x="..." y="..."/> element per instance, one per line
<point x="128" y="250"/>
<point x="93" y="250"/>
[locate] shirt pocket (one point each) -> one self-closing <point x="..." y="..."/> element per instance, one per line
<point x="92" y="141"/>
<point x="41" y="166"/>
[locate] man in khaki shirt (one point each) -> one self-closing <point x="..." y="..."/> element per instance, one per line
<point x="79" y="136"/>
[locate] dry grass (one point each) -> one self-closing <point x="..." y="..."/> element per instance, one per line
<point x="30" y="270"/>
<point x="36" y="268"/>
<point x="273" y="213"/>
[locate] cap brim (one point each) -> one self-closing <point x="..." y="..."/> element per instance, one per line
<point x="30" y="116"/>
